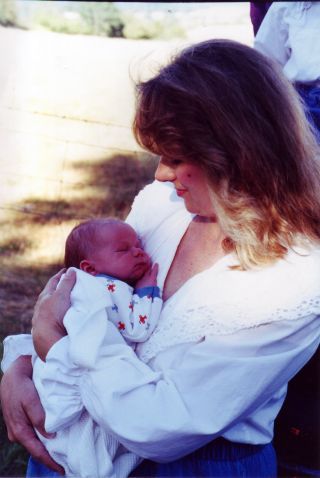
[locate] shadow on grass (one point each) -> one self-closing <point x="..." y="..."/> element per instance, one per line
<point x="19" y="289"/>
<point x="107" y="188"/>
<point x="117" y="181"/>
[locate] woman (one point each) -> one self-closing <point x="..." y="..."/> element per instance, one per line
<point x="234" y="222"/>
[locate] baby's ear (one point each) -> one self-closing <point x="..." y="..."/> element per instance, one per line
<point x="88" y="267"/>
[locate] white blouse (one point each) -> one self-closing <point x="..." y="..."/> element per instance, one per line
<point x="290" y="34"/>
<point x="226" y="344"/>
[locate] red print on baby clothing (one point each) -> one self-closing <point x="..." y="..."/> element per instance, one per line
<point x="121" y="326"/>
<point x="111" y="287"/>
<point x="142" y="319"/>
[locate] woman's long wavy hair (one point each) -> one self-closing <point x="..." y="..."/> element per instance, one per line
<point x="227" y="108"/>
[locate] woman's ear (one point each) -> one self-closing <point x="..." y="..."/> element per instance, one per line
<point x="87" y="266"/>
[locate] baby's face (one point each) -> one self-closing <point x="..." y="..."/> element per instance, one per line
<point x="118" y="253"/>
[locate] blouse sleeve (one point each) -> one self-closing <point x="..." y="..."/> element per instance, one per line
<point x="154" y="203"/>
<point x="13" y="347"/>
<point x="272" y="36"/>
<point x="192" y="392"/>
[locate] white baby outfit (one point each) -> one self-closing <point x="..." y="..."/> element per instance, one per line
<point x="100" y="306"/>
<point x="218" y="362"/>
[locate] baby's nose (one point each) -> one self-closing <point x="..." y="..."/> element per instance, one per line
<point x="137" y="251"/>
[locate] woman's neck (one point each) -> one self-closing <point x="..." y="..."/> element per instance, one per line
<point x="199" y="249"/>
<point x="204" y="219"/>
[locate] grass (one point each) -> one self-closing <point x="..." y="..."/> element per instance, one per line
<point x="28" y="256"/>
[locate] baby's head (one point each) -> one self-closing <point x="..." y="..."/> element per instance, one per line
<point x="106" y="246"/>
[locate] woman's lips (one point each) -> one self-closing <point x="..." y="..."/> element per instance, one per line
<point x="181" y="192"/>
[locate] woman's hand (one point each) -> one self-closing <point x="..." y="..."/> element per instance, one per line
<point x="52" y="304"/>
<point x="23" y="412"/>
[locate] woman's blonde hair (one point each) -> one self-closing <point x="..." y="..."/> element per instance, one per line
<point x="226" y="107"/>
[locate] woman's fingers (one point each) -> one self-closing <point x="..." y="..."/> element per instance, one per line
<point x="11" y="393"/>
<point x="35" y="413"/>
<point x="67" y="283"/>
<point x="52" y="283"/>
<point x="22" y="408"/>
<point x="30" y="441"/>
<point x="54" y="301"/>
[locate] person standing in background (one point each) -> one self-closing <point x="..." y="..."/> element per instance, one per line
<point x="257" y="14"/>
<point x="290" y="34"/>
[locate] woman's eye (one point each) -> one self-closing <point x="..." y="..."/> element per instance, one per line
<point x="176" y="162"/>
<point x="172" y="162"/>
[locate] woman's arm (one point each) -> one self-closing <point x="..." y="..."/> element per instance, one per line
<point x="23" y="412"/>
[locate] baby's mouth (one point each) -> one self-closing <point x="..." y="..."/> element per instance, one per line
<point x="142" y="265"/>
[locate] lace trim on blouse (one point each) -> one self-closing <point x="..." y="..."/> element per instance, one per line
<point x="192" y="324"/>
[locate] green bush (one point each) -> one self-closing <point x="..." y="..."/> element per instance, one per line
<point x="81" y="17"/>
<point x="51" y="18"/>
<point x="8" y="15"/>
<point x="145" y="27"/>
<point x="101" y="18"/>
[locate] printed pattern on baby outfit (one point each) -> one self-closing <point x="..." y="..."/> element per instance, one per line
<point x="134" y="312"/>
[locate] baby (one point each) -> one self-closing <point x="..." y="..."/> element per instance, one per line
<point x="110" y="250"/>
<point x="115" y="298"/>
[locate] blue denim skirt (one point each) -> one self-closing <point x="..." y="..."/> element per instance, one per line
<point x="219" y="458"/>
<point x="310" y="93"/>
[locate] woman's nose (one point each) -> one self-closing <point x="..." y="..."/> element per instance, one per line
<point x="164" y="172"/>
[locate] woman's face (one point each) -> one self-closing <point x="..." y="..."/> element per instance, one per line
<point x="190" y="183"/>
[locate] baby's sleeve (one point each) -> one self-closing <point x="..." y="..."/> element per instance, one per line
<point x="135" y="314"/>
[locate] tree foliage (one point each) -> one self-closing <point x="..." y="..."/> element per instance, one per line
<point x="90" y="18"/>
<point x="101" y="18"/>
<point x="8" y="14"/>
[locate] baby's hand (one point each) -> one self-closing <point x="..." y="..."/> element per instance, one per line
<point x="149" y="278"/>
